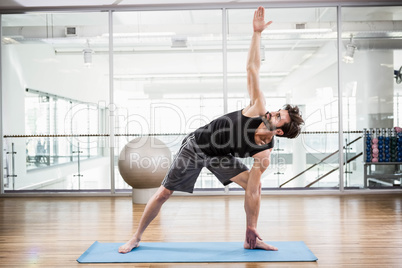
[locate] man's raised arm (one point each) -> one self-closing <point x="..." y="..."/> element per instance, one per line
<point x="253" y="60"/>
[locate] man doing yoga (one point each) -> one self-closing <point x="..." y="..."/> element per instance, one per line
<point x="216" y="146"/>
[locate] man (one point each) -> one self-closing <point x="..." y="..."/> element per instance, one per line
<point x="245" y="133"/>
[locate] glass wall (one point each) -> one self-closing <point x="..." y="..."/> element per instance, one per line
<point x="372" y="58"/>
<point x="176" y="70"/>
<point x="45" y="113"/>
<point x="55" y="90"/>
<point x="168" y="79"/>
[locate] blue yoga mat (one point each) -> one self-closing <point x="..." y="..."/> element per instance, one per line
<point x="292" y="251"/>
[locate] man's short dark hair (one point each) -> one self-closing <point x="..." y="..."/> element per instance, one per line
<point x="292" y="129"/>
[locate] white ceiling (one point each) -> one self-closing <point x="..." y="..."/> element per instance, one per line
<point x="49" y="4"/>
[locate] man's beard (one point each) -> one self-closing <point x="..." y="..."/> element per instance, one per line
<point x="268" y="124"/>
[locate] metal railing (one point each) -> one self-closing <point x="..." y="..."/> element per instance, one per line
<point x="335" y="169"/>
<point x="321" y="161"/>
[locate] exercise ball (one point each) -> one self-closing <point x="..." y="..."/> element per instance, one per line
<point x="144" y="162"/>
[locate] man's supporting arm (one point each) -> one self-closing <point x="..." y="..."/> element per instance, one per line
<point x="252" y="198"/>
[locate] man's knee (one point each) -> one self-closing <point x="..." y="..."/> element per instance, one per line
<point x="163" y="194"/>
<point x="242" y="179"/>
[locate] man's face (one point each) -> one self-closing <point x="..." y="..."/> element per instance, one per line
<point x="277" y="119"/>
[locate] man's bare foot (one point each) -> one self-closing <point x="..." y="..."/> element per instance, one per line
<point x="261" y="245"/>
<point x="129" y="246"/>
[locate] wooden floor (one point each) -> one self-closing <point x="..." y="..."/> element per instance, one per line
<point x="342" y="231"/>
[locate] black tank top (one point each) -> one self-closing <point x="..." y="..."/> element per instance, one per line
<point x="233" y="134"/>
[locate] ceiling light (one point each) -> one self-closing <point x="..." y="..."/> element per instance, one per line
<point x="350" y="51"/>
<point x="179" y="42"/>
<point x="141" y="77"/>
<point x="299" y="31"/>
<point x="141" y="34"/>
<point x="88" y="56"/>
<point x="46" y="3"/>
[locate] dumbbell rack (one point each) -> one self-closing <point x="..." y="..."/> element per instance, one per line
<point x="383" y="150"/>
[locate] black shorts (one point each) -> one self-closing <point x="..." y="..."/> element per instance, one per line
<point x="189" y="161"/>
